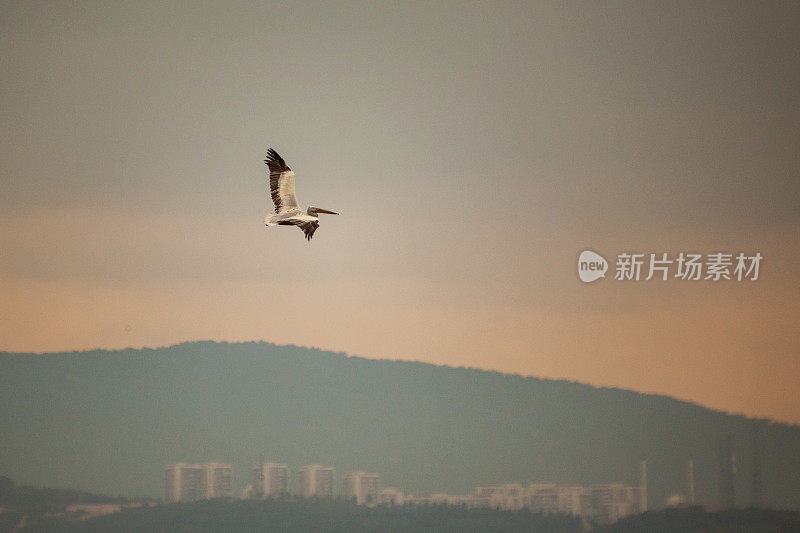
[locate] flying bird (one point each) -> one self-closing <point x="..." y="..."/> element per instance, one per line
<point x="287" y="210"/>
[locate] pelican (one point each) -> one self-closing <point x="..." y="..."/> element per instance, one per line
<point x="287" y="210"/>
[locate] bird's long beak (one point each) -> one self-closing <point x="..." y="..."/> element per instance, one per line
<point x="326" y="211"/>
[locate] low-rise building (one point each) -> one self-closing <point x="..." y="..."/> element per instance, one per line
<point x="390" y="496"/>
<point x="506" y="497"/>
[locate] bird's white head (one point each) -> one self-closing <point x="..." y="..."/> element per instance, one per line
<point x="314" y="210"/>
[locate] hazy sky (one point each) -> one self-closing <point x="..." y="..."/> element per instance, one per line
<point x="473" y="151"/>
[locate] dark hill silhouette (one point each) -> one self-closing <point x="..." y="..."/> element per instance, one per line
<point x="294" y="515"/>
<point x="698" y="520"/>
<point x="110" y="421"/>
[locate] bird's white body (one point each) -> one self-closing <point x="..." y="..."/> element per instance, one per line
<point x="287" y="210"/>
<point x="289" y="216"/>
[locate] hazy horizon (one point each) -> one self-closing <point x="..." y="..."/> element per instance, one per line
<point x="473" y="151"/>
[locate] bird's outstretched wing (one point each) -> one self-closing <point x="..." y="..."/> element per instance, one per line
<point x="308" y="227"/>
<point x="281" y="183"/>
<point x="306" y="223"/>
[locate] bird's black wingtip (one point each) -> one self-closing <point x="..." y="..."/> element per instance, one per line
<point x="273" y="158"/>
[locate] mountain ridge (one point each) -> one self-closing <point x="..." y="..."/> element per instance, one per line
<point x="434" y="365"/>
<point x="424" y="427"/>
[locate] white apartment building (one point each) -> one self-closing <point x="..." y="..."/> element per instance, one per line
<point x="182" y="483"/>
<point x="552" y="498"/>
<point x="189" y="482"/>
<point x="613" y="501"/>
<point x="216" y="481"/>
<point x="508" y="497"/>
<point x="604" y="503"/>
<point x="316" y="480"/>
<point x="363" y="486"/>
<point x="270" y="480"/>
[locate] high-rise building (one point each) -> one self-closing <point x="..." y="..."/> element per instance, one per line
<point x="216" y="480"/>
<point x="643" y="488"/>
<point x="270" y="479"/>
<point x="362" y="486"/>
<point x="756" y="498"/>
<point x="316" y="480"/>
<point x="189" y="482"/>
<point x="727" y="470"/>
<point x="182" y="483"/>
<point x="613" y="501"/>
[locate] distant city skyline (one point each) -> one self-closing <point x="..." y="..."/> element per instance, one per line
<point x="604" y="503"/>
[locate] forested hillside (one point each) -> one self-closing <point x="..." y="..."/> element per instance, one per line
<point x="110" y="421"/>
